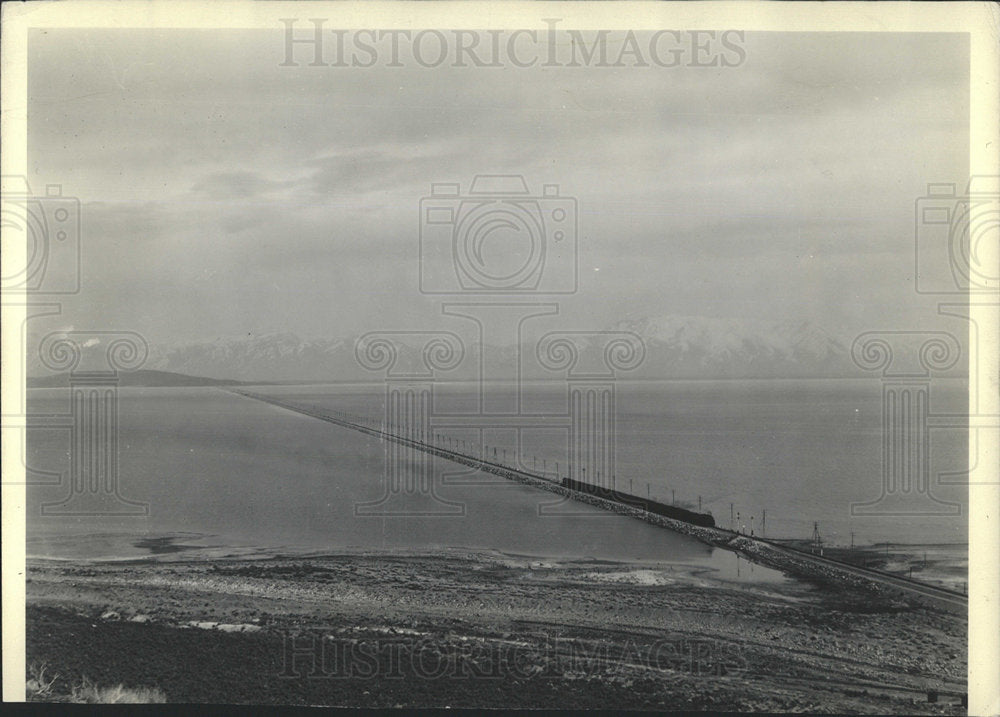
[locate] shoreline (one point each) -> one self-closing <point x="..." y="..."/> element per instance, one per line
<point x="947" y="568"/>
<point x="791" y="560"/>
<point x="514" y="631"/>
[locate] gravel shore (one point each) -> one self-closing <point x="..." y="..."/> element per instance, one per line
<point x="485" y="629"/>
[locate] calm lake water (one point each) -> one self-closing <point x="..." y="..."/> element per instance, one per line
<point x="209" y="462"/>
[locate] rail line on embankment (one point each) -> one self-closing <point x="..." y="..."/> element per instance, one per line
<point x="765" y="552"/>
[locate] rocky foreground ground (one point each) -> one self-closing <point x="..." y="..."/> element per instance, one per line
<point x="486" y="630"/>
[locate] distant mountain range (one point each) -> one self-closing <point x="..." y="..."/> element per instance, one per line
<point x="142" y="377"/>
<point x="676" y="347"/>
<point x="701" y="347"/>
<point x="271" y="357"/>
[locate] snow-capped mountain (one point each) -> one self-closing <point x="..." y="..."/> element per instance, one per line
<point x="675" y="347"/>
<point x="269" y="357"/>
<point x="705" y="347"/>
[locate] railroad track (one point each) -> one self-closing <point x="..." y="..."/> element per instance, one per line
<point x="724" y="538"/>
<point x="933" y="591"/>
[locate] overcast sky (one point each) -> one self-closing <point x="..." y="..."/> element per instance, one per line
<point x="226" y="195"/>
